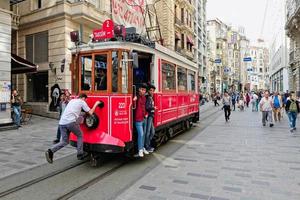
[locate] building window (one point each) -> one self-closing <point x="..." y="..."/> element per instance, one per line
<point x="36" y="4"/>
<point x="37" y="47"/>
<point x="37" y="87"/>
<point x="168" y="76"/>
<point x="182" y="41"/>
<point x="182" y="15"/>
<point x="182" y="79"/>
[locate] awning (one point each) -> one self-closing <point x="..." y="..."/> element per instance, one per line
<point x="190" y="40"/>
<point x="20" y="65"/>
<point x="177" y="36"/>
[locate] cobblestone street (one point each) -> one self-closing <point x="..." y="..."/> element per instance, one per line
<point x="238" y="160"/>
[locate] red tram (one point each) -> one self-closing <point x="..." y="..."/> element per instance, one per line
<point x="111" y="72"/>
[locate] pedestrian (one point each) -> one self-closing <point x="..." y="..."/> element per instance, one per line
<point x="292" y="109"/>
<point x="64" y="100"/>
<point x="69" y="123"/>
<point x="140" y="119"/>
<point x="233" y="100"/>
<point x="16" y="102"/>
<point x="150" y="108"/>
<point x="254" y="102"/>
<point x="226" y="105"/>
<point x="241" y="102"/>
<point x="247" y="99"/>
<point x="277" y="103"/>
<point x="215" y="99"/>
<point x="266" y="107"/>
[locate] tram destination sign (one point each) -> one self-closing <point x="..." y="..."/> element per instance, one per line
<point x="106" y="32"/>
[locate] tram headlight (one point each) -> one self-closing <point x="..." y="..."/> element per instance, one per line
<point x="92" y="121"/>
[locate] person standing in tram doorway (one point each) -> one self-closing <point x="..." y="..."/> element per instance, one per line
<point x="150" y="108"/>
<point x="69" y="123"/>
<point x="140" y="119"/>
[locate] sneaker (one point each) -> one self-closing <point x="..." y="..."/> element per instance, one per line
<point x="49" y="156"/>
<point x="141" y="153"/>
<point x="264" y="124"/>
<point x="294" y="128"/>
<point x="271" y="125"/>
<point x="55" y="141"/>
<point x="82" y="156"/>
<point x="145" y="151"/>
<point x="150" y="150"/>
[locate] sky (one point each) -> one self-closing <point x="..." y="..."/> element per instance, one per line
<point x="246" y="13"/>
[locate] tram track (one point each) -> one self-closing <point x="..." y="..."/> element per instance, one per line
<point x="39" y="179"/>
<point x="97" y="177"/>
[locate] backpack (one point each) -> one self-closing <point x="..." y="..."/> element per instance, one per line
<point x="293" y="106"/>
<point x="276" y="102"/>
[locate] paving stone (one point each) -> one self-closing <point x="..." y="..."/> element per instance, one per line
<point x="145" y="187"/>
<point x="202" y="175"/>
<point x="232" y="189"/>
<point x="180" y="181"/>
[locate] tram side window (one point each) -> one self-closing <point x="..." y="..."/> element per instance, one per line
<point x="124" y="72"/>
<point x="191" y="81"/>
<point x="114" y="71"/>
<point x="101" y="72"/>
<point x="182" y="79"/>
<point x="168" y="76"/>
<point x="86" y="72"/>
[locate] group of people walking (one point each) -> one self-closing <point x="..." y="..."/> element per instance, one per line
<point x="272" y="105"/>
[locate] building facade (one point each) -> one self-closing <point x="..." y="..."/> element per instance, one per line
<point x="201" y="43"/>
<point x="278" y="48"/>
<point x="5" y="61"/>
<point x="43" y="38"/>
<point x="293" y="32"/>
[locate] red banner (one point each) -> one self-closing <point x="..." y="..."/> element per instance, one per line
<point x="106" y="32"/>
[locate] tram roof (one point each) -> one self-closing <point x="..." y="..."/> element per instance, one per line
<point x="134" y="46"/>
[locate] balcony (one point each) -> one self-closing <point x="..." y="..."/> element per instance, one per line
<point x="178" y="22"/>
<point x="293" y="10"/>
<point x="80" y="11"/>
<point x="15" y="21"/>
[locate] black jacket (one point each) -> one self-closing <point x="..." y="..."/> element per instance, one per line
<point x="288" y="103"/>
<point x="150" y="106"/>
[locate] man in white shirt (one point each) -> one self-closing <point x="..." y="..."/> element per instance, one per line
<point x="69" y="123"/>
<point x="266" y="107"/>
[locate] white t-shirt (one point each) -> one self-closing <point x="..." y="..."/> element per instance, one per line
<point x="266" y="104"/>
<point x="72" y="111"/>
<point x="254" y="98"/>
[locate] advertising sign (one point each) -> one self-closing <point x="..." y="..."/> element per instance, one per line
<point x="247" y="59"/>
<point x="218" y="61"/>
<point x="129" y="13"/>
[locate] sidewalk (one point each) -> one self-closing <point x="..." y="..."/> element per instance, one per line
<point x="25" y="147"/>
<point x="238" y="160"/>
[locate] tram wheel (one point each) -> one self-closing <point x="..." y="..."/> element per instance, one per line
<point x="94" y="160"/>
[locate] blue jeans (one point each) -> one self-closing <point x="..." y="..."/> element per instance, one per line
<point x="292" y="119"/>
<point x="17" y="116"/>
<point x="149" y="132"/>
<point x="141" y="128"/>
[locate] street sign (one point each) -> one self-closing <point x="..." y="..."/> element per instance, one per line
<point x="218" y="60"/>
<point x="247" y="59"/>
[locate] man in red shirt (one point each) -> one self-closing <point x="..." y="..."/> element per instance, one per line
<point x="140" y="119"/>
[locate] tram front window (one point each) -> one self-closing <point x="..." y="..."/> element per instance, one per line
<point x="86" y="72"/>
<point x="101" y="72"/>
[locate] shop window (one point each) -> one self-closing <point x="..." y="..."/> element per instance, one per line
<point x="86" y="72"/>
<point x="37" y="87"/>
<point x="182" y="79"/>
<point x="101" y="72"/>
<point x="168" y="76"/>
<point x="37" y="47"/>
